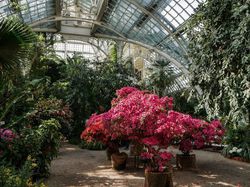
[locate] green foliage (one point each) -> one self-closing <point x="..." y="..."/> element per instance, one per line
<point x="184" y="104"/>
<point x="50" y="143"/>
<point x="219" y="47"/>
<point x="46" y="109"/>
<point x="15" y="46"/>
<point x="40" y="142"/>
<point x="47" y="65"/>
<point x="17" y="100"/>
<point x="238" y="137"/>
<point x="92" y="145"/>
<point x="11" y="177"/>
<point x="90" y="86"/>
<point x="113" y="55"/>
<point x="24" y="84"/>
<point x="161" y="77"/>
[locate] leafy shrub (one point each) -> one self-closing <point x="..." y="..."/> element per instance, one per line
<point x="12" y="177"/>
<point x="52" y="108"/>
<point x="92" y="145"/>
<point x="50" y="143"/>
<point x="41" y="142"/>
<point x="91" y="87"/>
<point x="238" y="142"/>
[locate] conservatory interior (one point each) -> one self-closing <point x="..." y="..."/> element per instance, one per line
<point x="124" y="93"/>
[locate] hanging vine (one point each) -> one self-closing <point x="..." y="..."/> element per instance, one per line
<point x="219" y="46"/>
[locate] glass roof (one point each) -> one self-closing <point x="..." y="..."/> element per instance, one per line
<point x="154" y="23"/>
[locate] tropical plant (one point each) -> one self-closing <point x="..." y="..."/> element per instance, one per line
<point x="219" y="43"/>
<point x="90" y="85"/>
<point x="160" y="77"/>
<point x="40" y="142"/>
<point x="238" y="142"/>
<point x="11" y="177"/>
<point x="15" y="38"/>
<point x="46" y="109"/>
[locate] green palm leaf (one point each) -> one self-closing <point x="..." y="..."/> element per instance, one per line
<point x="15" y="41"/>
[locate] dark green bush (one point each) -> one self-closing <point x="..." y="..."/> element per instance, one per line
<point x="12" y="177"/>
<point x="40" y="142"/>
<point x="49" y="108"/>
<point x="238" y="142"/>
<point x="92" y="145"/>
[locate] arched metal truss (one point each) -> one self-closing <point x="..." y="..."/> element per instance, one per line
<point x="154" y="24"/>
<point x="119" y="37"/>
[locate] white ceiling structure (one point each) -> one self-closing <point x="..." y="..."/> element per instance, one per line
<point x="154" y="24"/>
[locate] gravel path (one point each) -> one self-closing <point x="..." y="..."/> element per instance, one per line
<point x="77" y="167"/>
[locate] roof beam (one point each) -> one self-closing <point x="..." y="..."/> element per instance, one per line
<point x="171" y="34"/>
<point x="55" y="18"/>
<point x="121" y="37"/>
<point x="100" y="13"/>
<point x="58" y="13"/>
<point x="172" y="60"/>
<point x="98" y="47"/>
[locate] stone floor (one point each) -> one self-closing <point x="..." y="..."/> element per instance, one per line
<point x="77" y="167"/>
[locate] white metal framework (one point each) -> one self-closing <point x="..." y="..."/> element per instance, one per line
<point x="154" y="24"/>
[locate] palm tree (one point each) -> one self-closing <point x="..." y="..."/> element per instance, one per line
<point x="15" y="41"/>
<point x="161" y="77"/>
<point x="15" y="45"/>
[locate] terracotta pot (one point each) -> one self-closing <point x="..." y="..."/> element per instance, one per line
<point x="158" y="179"/>
<point x="186" y="162"/>
<point x="119" y="160"/>
<point x="110" y="151"/>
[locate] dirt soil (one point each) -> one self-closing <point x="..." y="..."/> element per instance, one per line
<point x="75" y="167"/>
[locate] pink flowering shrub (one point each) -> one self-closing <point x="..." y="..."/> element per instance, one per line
<point x="137" y="115"/>
<point x="149" y="120"/>
<point x="156" y="155"/>
<point x="95" y="130"/>
<point x="121" y="94"/>
<point x="195" y="132"/>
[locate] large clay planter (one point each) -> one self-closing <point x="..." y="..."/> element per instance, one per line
<point x="158" y="179"/>
<point x="110" y="151"/>
<point x="186" y="162"/>
<point x="119" y="160"/>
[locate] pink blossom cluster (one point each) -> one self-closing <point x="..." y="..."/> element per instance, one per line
<point x="137" y="115"/>
<point x="95" y="130"/>
<point x="195" y="132"/>
<point x="7" y="135"/>
<point x="121" y="94"/>
<point x="149" y="120"/>
<point x="156" y="155"/>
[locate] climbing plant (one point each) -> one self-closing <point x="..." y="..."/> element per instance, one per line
<point x="219" y="46"/>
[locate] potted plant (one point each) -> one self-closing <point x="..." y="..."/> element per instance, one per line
<point x="196" y="133"/>
<point x="135" y="114"/>
<point x="119" y="160"/>
<point x="158" y="171"/>
<point x="95" y="131"/>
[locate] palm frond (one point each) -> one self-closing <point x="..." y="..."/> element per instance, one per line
<point x="15" y="41"/>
